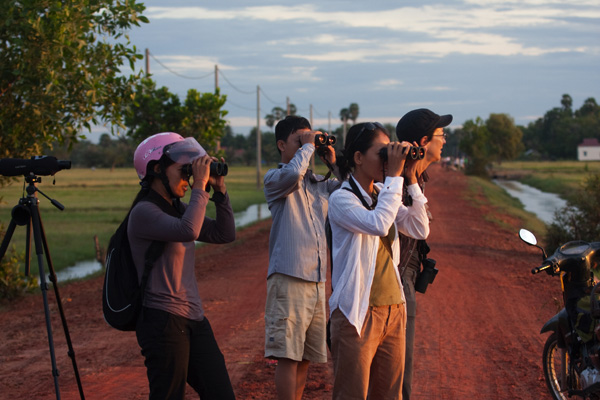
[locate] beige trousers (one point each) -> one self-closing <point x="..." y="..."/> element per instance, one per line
<point x="371" y="364"/>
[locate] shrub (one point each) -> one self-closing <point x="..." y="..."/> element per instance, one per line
<point x="13" y="282"/>
<point x="580" y="219"/>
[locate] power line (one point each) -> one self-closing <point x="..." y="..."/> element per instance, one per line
<point x="233" y="86"/>
<point x="267" y="97"/>
<point x="318" y="113"/>
<point x="178" y="74"/>
<point x="216" y="72"/>
<point x="242" y="107"/>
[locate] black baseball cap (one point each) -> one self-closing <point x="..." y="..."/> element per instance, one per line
<point x="418" y="123"/>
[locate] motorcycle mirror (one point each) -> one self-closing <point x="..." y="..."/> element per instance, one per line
<point x="527" y="237"/>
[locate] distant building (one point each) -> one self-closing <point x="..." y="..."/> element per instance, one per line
<point x="589" y="150"/>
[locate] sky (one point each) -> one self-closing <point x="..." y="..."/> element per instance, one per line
<point x="468" y="58"/>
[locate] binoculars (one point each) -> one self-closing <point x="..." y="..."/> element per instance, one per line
<point x="324" y="140"/>
<point x="216" y="169"/>
<point x="414" y="153"/>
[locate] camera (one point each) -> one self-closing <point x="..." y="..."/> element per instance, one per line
<point x="216" y="169"/>
<point x="414" y="153"/>
<point x="37" y="165"/>
<point x="426" y="276"/>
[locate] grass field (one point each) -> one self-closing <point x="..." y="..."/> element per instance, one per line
<point x="95" y="202"/>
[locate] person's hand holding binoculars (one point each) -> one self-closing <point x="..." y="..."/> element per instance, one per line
<point x="201" y="171"/>
<point x="396" y="157"/>
<point x="218" y="181"/>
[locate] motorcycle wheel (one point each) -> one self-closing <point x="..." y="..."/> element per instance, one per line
<point x="556" y="369"/>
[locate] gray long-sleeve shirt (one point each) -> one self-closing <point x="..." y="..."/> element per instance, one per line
<point x="298" y="204"/>
<point x="172" y="285"/>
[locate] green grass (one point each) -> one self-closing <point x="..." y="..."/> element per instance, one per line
<point x="560" y="177"/>
<point x="503" y="204"/>
<point x="95" y="202"/>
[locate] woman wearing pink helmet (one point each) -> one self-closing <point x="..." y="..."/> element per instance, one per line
<point x="175" y="336"/>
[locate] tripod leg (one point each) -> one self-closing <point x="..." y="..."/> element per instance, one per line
<point x="7" y="237"/>
<point x="44" y="287"/>
<point x="54" y="281"/>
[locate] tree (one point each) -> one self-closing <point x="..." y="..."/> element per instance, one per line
<point x="277" y="114"/>
<point x="475" y="144"/>
<point x="203" y="118"/>
<point x="348" y="113"/>
<point x="353" y="112"/>
<point x="152" y="111"/>
<point x="558" y="133"/>
<point x="496" y="139"/>
<point x="567" y="102"/>
<point x="505" y="137"/>
<point x="157" y="110"/>
<point x="60" y="69"/>
<point x="344" y="115"/>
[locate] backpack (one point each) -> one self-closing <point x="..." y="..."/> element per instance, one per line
<point x="122" y="294"/>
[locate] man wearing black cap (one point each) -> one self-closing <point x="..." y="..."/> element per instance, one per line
<point x="426" y="128"/>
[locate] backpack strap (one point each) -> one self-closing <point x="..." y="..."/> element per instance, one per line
<point x="157" y="247"/>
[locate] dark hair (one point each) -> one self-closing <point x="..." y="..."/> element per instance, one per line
<point x="289" y="125"/>
<point x="359" y="138"/>
<point x="146" y="183"/>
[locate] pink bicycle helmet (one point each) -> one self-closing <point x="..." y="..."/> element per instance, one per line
<point x="152" y="149"/>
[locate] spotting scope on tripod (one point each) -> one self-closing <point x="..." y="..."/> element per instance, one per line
<point x="27" y="213"/>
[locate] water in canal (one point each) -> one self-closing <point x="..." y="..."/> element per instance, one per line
<point x="542" y="204"/>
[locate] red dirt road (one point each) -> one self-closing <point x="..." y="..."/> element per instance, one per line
<point x="477" y="325"/>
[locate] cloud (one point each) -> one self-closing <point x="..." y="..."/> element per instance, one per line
<point x="477" y="14"/>
<point x="388" y="83"/>
<point x="188" y="65"/>
<point x="482" y="27"/>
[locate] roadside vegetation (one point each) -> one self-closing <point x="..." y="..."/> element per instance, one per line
<point x="483" y="192"/>
<point x="564" y="178"/>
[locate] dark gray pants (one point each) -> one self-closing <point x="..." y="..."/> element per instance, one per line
<point x="178" y="350"/>
<point x="408" y="279"/>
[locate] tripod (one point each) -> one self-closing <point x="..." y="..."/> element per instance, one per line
<point x="27" y="213"/>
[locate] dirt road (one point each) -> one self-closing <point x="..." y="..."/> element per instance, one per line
<point x="477" y="325"/>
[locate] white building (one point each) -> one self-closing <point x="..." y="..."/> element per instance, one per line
<point x="589" y="150"/>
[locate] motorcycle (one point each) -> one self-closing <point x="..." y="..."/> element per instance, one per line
<point x="571" y="359"/>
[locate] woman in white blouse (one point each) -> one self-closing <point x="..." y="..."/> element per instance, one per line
<point x="368" y="314"/>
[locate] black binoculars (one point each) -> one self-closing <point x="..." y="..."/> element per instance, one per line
<point x="216" y="169"/>
<point x="426" y="276"/>
<point x="414" y="153"/>
<point x="324" y="140"/>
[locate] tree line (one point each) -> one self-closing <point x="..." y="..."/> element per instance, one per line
<point x="555" y="136"/>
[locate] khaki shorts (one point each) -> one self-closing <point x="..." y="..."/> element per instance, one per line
<point x="295" y="319"/>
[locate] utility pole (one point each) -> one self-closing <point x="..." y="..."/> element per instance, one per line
<point x="287" y="102"/>
<point x="312" y="159"/>
<point x="216" y="77"/>
<point x="258" y="138"/>
<point x="147" y="62"/>
<point x="329" y="123"/>
<point x="218" y="145"/>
